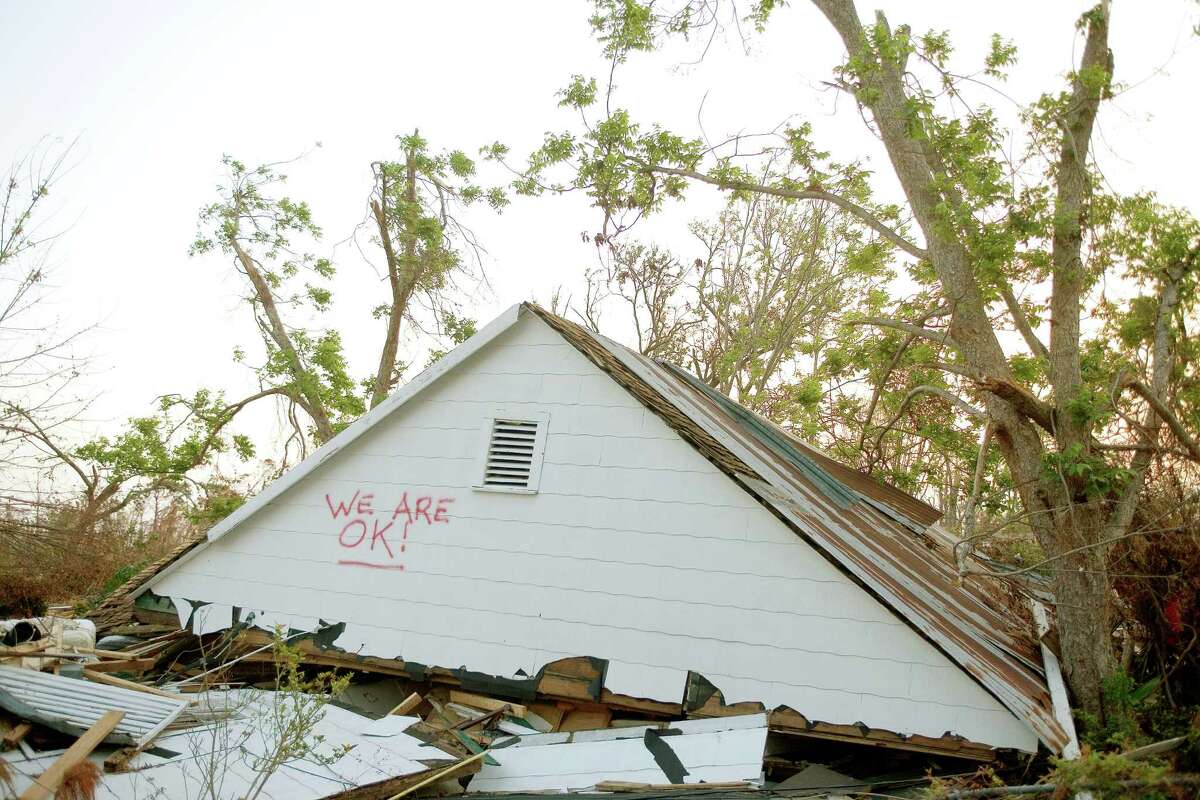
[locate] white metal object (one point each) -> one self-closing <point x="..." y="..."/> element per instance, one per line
<point x="358" y="428"/>
<point x="73" y="705"/>
<point x="1054" y="679"/>
<point x="710" y="751"/>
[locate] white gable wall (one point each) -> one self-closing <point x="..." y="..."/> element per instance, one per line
<point x="635" y="549"/>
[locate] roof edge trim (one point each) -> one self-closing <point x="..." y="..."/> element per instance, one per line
<point x="352" y="432"/>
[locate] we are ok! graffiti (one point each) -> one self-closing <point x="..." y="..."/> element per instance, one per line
<point x="379" y="537"/>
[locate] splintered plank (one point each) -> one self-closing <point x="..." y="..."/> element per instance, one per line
<point x="487" y="703"/>
<point x="628" y="786"/>
<point x="399" y="787"/>
<point x="17" y="734"/>
<point x="574" y="678"/>
<point x="112" y="680"/>
<point x="786" y="721"/>
<point x="627" y="703"/>
<point x="551" y="713"/>
<point x="581" y="720"/>
<point x="407" y="704"/>
<point x="127" y="665"/>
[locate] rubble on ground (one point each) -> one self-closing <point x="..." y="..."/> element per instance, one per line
<point x="159" y="711"/>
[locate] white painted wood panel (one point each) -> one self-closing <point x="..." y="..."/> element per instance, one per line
<point x="636" y="550"/>
<point x="714" y="757"/>
<point x="710" y="753"/>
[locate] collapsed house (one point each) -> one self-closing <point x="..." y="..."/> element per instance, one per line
<point x="549" y="519"/>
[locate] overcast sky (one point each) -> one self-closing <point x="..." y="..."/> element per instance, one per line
<point x="156" y="92"/>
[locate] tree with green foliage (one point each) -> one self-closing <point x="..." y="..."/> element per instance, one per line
<point x="998" y="246"/>
<point x="413" y="211"/>
<point x="155" y="453"/>
<point x="256" y="228"/>
<point x="413" y="220"/>
<point x="755" y="309"/>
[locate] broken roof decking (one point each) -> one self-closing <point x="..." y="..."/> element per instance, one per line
<point x="905" y="570"/>
<point x="117" y="608"/>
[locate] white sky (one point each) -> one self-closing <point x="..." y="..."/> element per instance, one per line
<point x="157" y="92"/>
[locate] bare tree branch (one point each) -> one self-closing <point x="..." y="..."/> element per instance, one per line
<point x="1022" y="322"/>
<point x="858" y="211"/>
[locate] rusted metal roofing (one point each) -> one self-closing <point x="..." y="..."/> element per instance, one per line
<point x="865" y="529"/>
<point x="873" y="488"/>
<point x="117" y="608"/>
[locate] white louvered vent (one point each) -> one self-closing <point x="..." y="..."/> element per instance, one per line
<point x="514" y="455"/>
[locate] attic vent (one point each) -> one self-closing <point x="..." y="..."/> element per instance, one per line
<point x="514" y="455"/>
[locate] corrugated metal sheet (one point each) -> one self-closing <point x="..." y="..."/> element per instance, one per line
<point x="73" y="705"/>
<point x="912" y="572"/>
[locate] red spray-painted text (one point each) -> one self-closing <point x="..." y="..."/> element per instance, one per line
<point x="379" y="536"/>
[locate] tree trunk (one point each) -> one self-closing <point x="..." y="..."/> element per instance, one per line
<point x="1083" y="596"/>
<point x="1068" y="527"/>
<point x="306" y="396"/>
<point x="402" y="279"/>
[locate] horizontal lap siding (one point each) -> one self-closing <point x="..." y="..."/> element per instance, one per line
<point x="635" y="549"/>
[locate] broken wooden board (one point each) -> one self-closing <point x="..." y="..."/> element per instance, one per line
<point x="46" y="784"/>
<point x="487" y="703"/>
<point x="407" y="704"/>
<point x="18" y="733"/>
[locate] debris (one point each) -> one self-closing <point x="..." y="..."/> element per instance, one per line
<point x="142" y="630"/>
<point x="45" y="785"/>
<point x="817" y="779"/>
<point x="112" y="680"/>
<point x="627" y="786"/>
<point x="229" y="732"/>
<point x="363" y="759"/>
<point x="118" y="760"/>
<point x="441" y="774"/>
<point x="407" y="704"/>
<point x="14" y="737"/>
<point x="487" y="703"/>
<point x="74" y="706"/>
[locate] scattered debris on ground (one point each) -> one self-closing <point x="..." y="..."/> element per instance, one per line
<point x="158" y="712"/>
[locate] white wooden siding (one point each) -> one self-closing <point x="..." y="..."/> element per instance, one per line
<point x="635" y="549"/>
